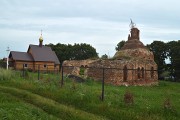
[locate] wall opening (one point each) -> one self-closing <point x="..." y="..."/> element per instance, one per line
<point x="142" y="71"/>
<point x="125" y="75"/>
<point x="82" y="66"/>
<point x="138" y="73"/>
<point x="82" y="69"/>
<point x="152" y="72"/>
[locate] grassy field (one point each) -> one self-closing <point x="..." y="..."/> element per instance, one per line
<point x="46" y="99"/>
<point x="13" y="108"/>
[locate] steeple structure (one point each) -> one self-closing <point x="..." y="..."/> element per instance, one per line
<point x="133" y="47"/>
<point x="133" y="41"/>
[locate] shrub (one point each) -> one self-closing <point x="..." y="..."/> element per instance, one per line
<point x="26" y="74"/>
<point x="2" y="64"/>
<point x="128" y="98"/>
<point x="81" y="72"/>
<point x="167" y="104"/>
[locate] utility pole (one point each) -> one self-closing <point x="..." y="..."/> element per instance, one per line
<point x="7" y="57"/>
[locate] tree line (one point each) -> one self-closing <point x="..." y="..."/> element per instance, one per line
<point x="73" y="52"/>
<point x="167" y="51"/>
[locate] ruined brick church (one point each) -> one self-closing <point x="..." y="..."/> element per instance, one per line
<point x="133" y="64"/>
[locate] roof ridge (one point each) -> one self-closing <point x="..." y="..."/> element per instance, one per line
<point x="18" y="51"/>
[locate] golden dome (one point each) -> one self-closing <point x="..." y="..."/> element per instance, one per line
<point x="41" y="38"/>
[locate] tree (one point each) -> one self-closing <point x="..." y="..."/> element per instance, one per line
<point x="173" y="53"/>
<point x="120" y="45"/>
<point x="62" y="51"/>
<point x="104" y="56"/>
<point x="83" y="51"/>
<point x="159" y="50"/>
<point x="73" y="52"/>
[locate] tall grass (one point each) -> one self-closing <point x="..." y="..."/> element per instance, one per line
<point x="6" y="74"/>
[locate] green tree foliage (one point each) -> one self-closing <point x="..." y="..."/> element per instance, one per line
<point x="163" y="51"/>
<point x="120" y="45"/>
<point x="159" y="50"/>
<point x="173" y="52"/>
<point x="2" y="63"/>
<point x="104" y="56"/>
<point x="83" y="51"/>
<point x="62" y="51"/>
<point x="73" y="52"/>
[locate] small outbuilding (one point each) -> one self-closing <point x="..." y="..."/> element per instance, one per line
<point x="37" y="57"/>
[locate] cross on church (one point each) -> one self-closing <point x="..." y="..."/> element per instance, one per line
<point x="132" y="24"/>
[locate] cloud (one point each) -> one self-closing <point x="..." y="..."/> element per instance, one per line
<point x="99" y="23"/>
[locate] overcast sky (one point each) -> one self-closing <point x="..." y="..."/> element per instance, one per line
<point x="101" y="23"/>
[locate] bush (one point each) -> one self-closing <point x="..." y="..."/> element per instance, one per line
<point x="128" y="98"/>
<point x="6" y="74"/>
<point x="81" y="72"/>
<point x="167" y="104"/>
<point x="2" y="64"/>
<point x="26" y="74"/>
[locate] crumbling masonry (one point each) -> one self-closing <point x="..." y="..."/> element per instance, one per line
<point x="132" y="65"/>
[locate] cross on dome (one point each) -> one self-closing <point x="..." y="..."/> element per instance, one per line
<point x="132" y="24"/>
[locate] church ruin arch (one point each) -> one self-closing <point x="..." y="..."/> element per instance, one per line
<point x="152" y="72"/>
<point x="82" y="66"/>
<point x="142" y="72"/>
<point x="138" y="73"/>
<point x="125" y="75"/>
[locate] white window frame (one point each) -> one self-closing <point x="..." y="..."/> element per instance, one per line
<point x="25" y="65"/>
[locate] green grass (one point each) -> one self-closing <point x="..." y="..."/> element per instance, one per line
<point x="6" y="74"/>
<point x="12" y="108"/>
<point x="50" y="106"/>
<point x="85" y="98"/>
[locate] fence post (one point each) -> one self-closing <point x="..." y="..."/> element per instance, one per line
<point x="59" y="70"/>
<point x="54" y="69"/>
<point x="23" y="71"/>
<point x="38" y="71"/>
<point x="102" y="96"/>
<point x="47" y="70"/>
<point x="62" y="79"/>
